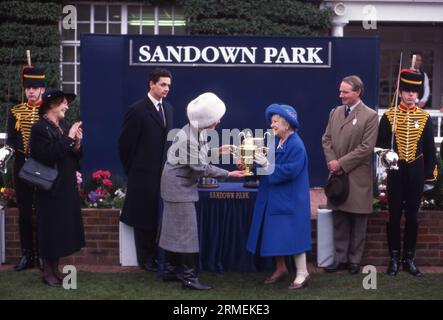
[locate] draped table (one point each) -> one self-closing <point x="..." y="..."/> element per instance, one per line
<point x="224" y="215"/>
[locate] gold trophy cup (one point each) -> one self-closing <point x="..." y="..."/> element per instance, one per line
<point x="249" y="146"/>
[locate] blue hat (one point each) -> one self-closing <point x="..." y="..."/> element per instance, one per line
<point x="284" y="111"/>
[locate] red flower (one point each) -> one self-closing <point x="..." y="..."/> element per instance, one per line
<point x="102" y="192"/>
<point x="107" y="183"/>
<point x="106" y="174"/>
<point x="383" y="198"/>
<point x="96" y="175"/>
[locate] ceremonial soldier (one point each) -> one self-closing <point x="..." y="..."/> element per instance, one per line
<point x="417" y="167"/>
<point x="20" y="120"/>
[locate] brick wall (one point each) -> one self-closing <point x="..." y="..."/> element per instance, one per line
<point x="102" y="238"/>
<point x="101" y="233"/>
<point x="429" y="250"/>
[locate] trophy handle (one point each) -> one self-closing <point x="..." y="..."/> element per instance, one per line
<point x="269" y="136"/>
<point x="236" y="153"/>
<point x="240" y="135"/>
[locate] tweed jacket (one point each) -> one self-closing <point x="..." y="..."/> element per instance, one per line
<point x="186" y="163"/>
<point x="351" y="141"/>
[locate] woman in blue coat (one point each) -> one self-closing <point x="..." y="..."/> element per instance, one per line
<point x="281" y="224"/>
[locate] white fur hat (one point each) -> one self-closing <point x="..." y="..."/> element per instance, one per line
<point x="205" y="110"/>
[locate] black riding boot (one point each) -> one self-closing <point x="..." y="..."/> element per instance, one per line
<point x="393" y="235"/>
<point x="190" y="279"/>
<point x="26" y="260"/>
<point x="171" y="266"/>
<point x="410" y="240"/>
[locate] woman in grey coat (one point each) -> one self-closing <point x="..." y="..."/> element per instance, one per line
<point x="186" y="163"/>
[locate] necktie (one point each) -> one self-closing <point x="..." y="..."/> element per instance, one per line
<point x="161" y="113"/>
<point x="347" y="111"/>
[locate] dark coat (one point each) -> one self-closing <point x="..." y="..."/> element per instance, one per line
<point x="60" y="225"/>
<point x="142" y="148"/>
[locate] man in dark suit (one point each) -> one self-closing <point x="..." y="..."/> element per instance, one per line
<point x="142" y="148"/>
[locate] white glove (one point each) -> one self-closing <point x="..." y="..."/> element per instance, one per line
<point x="428" y="186"/>
<point x="261" y="160"/>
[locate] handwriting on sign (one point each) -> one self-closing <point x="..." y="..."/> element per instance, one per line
<point x="228" y="195"/>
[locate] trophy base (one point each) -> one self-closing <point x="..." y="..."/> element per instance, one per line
<point x="208" y="186"/>
<point x="251" y="184"/>
<point x="248" y="174"/>
<point x="207" y="183"/>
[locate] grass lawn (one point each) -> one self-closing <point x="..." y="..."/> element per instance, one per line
<point x="229" y="286"/>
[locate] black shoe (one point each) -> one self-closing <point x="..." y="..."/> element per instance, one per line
<point x="171" y="273"/>
<point x="149" y="267"/>
<point x="194" y="284"/>
<point x="336" y="266"/>
<point x="354" y="268"/>
<point x="190" y="279"/>
<point x="52" y="282"/>
<point x="26" y="261"/>
<point x="39" y="262"/>
<point x="409" y="265"/>
<point x="394" y="263"/>
<point x="171" y="267"/>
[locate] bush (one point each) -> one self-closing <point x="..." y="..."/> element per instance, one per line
<point x="258" y="17"/>
<point x="26" y="25"/>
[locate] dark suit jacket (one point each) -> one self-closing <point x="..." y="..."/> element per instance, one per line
<point x="142" y="148"/>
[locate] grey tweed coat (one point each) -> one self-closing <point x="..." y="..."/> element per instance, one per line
<point x="186" y="163"/>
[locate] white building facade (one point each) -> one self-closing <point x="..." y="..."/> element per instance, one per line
<point x="403" y="26"/>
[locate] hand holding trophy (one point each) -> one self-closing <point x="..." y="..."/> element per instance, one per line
<point x="5" y="154"/>
<point x="246" y="152"/>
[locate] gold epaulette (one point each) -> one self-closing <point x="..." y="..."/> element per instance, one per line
<point x="408" y="129"/>
<point x="25" y="116"/>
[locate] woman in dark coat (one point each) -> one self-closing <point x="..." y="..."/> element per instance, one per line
<point x="60" y="226"/>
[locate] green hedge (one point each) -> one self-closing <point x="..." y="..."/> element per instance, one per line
<point x="39" y="54"/>
<point x="22" y="34"/>
<point x="27" y="25"/>
<point x="258" y="17"/>
<point x="29" y="11"/>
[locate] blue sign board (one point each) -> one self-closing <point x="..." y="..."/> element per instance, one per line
<point x="247" y="73"/>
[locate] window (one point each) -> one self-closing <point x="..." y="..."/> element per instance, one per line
<point x="113" y="18"/>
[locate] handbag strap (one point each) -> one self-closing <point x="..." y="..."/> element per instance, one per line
<point x="51" y="136"/>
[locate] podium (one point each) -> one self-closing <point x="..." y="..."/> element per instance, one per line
<point x="224" y="216"/>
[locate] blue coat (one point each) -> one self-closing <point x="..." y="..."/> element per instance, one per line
<point x="282" y="214"/>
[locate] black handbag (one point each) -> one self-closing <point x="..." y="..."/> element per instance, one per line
<point x="38" y="174"/>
